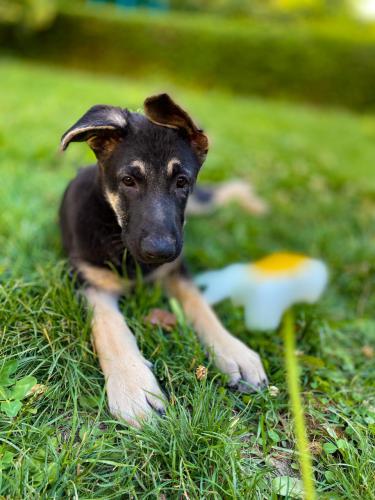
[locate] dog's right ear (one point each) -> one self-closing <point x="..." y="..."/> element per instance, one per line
<point x="102" y="127"/>
<point x="162" y="110"/>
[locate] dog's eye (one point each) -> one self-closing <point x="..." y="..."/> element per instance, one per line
<point x="181" y="182"/>
<point x="128" y="181"/>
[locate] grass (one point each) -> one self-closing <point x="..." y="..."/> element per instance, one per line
<point x="297" y="409"/>
<point x="316" y="169"/>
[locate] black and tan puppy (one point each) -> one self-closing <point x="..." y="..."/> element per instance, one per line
<point x="128" y="211"/>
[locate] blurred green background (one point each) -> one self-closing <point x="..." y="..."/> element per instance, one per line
<point x="318" y="51"/>
<point x="285" y="91"/>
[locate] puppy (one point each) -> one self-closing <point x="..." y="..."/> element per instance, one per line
<point x="127" y="212"/>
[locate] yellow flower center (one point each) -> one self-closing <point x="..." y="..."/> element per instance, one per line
<point x="280" y="262"/>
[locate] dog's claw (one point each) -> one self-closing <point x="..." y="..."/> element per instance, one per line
<point x="243" y="365"/>
<point x="161" y="412"/>
<point x="157" y="401"/>
<point x="245" y="387"/>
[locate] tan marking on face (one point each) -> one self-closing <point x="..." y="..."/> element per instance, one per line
<point x="102" y="278"/>
<point x="140" y="165"/>
<point x="114" y="201"/>
<point x="171" y="164"/>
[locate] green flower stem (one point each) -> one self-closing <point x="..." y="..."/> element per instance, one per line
<point x="292" y="373"/>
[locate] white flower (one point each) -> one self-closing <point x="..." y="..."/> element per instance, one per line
<point x="268" y="287"/>
<point x="273" y="391"/>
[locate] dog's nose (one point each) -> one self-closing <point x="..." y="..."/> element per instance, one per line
<point x="158" y="248"/>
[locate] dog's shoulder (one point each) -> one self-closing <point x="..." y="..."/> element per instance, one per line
<point x="83" y="183"/>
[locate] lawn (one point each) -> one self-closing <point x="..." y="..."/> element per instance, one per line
<point x="316" y="170"/>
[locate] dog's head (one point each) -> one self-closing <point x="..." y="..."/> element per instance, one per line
<point x="148" y="166"/>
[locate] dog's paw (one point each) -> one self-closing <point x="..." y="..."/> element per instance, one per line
<point x="242" y="365"/>
<point x="133" y="393"/>
<point x="243" y="194"/>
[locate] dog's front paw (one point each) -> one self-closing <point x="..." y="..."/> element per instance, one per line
<point x="133" y="393"/>
<point x="243" y="365"/>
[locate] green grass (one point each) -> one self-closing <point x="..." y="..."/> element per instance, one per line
<point x="316" y="170"/>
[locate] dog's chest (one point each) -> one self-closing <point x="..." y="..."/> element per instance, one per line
<point x="131" y="270"/>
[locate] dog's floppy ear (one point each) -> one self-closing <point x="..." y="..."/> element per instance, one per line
<point x="162" y="110"/>
<point x="101" y="127"/>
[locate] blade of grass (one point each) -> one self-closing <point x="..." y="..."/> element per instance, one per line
<point x="292" y="373"/>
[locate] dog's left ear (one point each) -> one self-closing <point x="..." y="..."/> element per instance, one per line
<point x="101" y="127"/>
<point x="162" y="110"/>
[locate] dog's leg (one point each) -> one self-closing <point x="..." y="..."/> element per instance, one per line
<point x="132" y="389"/>
<point x="231" y="356"/>
<point x="205" y="199"/>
